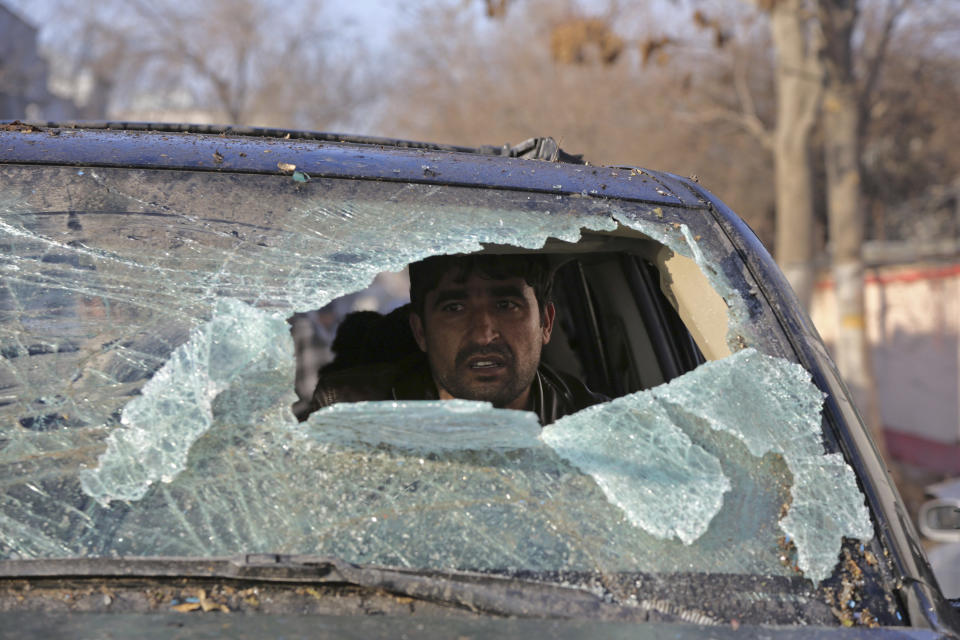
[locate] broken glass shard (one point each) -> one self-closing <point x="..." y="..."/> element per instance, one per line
<point x="638" y="450"/>
<point x="468" y="425"/>
<point x="771" y="405"/>
<point x="645" y="464"/>
<point x="680" y="239"/>
<point x="161" y="425"/>
<point x="827" y="505"/>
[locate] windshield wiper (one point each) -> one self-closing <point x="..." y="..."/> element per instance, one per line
<point x="478" y="592"/>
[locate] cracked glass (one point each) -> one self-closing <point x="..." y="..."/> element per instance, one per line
<point x="147" y="385"/>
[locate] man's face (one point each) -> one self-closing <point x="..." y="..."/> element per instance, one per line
<point x="483" y="338"/>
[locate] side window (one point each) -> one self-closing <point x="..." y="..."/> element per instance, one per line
<point x="616" y="329"/>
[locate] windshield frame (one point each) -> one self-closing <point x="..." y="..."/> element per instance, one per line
<point x="845" y="432"/>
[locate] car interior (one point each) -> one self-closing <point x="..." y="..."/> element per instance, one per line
<point x="618" y="327"/>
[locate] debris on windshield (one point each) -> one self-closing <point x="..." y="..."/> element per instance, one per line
<point x="16" y="125"/>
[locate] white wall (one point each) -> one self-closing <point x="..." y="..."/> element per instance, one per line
<point x="913" y="323"/>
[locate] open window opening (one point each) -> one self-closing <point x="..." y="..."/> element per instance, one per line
<point x="617" y="327"/>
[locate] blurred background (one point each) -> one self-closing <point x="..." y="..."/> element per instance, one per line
<point x="831" y="126"/>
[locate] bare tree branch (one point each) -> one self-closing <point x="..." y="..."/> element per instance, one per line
<point x="874" y="62"/>
<point x="751" y="124"/>
<point x="749" y="118"/>
<point x="231" y="92"/>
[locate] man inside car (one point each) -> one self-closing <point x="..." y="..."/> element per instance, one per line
<point x="479" y="323"/>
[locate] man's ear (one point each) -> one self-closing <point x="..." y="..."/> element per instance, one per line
<point x="416" y="326"/>
<point x="546" y="322"/>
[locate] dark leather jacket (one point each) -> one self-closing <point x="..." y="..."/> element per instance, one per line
<point x="552" y="396"/>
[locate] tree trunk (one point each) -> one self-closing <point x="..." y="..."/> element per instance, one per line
<point x="98" y="104"/>
<point x="799" y="89"/>
<point x="841" y="122"/>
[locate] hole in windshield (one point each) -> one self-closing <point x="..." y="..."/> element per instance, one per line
<point x="354" y="330"/>
<point x="605" y="329"/>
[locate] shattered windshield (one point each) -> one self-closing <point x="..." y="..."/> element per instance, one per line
<point x="147" y="385"/>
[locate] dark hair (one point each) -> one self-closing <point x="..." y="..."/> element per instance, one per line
<point x="534" y="269"/>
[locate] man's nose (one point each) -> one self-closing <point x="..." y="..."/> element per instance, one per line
<point x="483" y="327"/>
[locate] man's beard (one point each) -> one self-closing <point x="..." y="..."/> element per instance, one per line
<point x="461" y="382"/>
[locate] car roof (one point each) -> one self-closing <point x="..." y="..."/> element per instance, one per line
<point x="257" y="150"/>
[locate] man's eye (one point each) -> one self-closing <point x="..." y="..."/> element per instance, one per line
<point x="508" y="304"/>
<point x="452" y="306"/>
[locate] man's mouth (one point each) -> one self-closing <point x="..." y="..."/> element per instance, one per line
<point x="483" y="363"/>
<point x="487" y="359"/>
